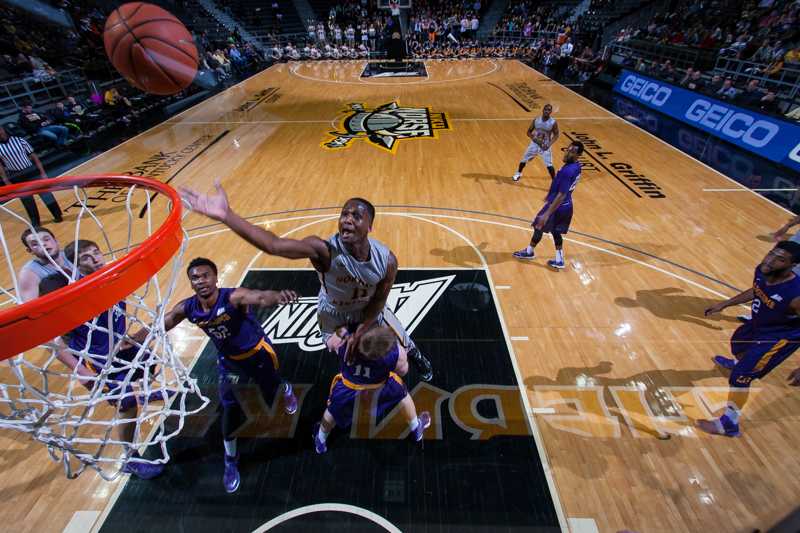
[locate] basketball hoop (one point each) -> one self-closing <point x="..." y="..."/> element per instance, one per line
<point x="70" y="410"/>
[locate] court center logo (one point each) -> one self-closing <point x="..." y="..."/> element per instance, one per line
<point x="297" y="322"/>
<point x="385" y="125"/>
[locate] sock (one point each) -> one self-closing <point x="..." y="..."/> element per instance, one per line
<point x="322" y="434"/>
<point x="529" y="249"/>
<point x="414" y="424"/>
<point x="230" y="447"/>
<point x="732" y="412"/>
<point x="560" y="256"/>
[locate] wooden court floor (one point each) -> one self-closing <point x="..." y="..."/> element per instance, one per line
<point x="613" y="353"/>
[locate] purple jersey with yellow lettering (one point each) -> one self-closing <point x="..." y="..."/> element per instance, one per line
<point x="365" y="371"/>
<point x="232" y="330"/>
<point x="565" y="182"/>
<point x="770" y="308"/>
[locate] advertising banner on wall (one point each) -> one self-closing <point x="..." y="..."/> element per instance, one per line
<point x="772" y="138"/>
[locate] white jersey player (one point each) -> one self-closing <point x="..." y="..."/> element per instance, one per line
<point x="543" y="133"/>
<point x="356" y="272"/>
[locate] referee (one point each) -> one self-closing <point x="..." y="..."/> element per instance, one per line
<point x="17" y="159"/>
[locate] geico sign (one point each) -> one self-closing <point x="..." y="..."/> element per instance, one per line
<point x="732" y="123"/>
<point x="645" y="90"/>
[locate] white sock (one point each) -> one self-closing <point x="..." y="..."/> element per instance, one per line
<point x="322" y="434"/>
<point x="414" y="424"/>
<point x="230" y="447"/>
<point x="732" y="412"/>
<point x="560" y="256"/>
<point x="529" y="249"/>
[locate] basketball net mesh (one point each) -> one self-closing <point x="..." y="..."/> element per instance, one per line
<point x="84" y="415"/>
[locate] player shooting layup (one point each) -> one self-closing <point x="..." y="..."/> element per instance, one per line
<point x="543" y="133"/>
<point x="356" y="272"/>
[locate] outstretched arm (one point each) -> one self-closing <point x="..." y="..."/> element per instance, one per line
<point x="242" y="296"/>
<point x="174" y="316"/>
<point x="217" y="207"/>
<point x="781" y="232"/>
<point x="740" y="298"/>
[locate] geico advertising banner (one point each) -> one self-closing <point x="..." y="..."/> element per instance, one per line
<point x="768" y="137"/>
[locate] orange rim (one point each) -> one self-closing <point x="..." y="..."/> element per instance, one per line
<point x="38" y="321"/>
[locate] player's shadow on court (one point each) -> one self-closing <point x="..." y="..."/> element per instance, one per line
<point x="505" y="180"/>
<point x="651" y="383"/>
<point x="670" y="304"/>
<point x="465" y="256"/>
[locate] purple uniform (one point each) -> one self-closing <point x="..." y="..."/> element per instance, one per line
<point x="365" y="377"/>
<point x="96" y="338"/>
<point x="565" y="182"/>
<point x="244" y="355"/>
<point x="771" y="336"/>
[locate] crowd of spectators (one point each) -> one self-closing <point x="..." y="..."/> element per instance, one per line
<point x="528" y="18"/>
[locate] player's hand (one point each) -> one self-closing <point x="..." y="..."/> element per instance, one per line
<point x="538" y="222"/>
<point x="286" y="297"/>
<point x="212" y="206"/>
<point x="352" y="343"/>
<point x="714" y="309"/>
<point x="778" y="235"/>
<point x="794" y="377"/>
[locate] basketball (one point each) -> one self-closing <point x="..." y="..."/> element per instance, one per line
<point x="151" y="48"/>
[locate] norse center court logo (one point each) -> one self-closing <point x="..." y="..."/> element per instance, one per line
<point x="385" y="125"/>
<point x="297" y="322"/>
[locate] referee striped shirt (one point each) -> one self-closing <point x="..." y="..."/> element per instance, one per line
<point x="15" y="154"/>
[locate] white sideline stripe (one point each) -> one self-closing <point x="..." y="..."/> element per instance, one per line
<point x="583" y="525"/>
<point x="502" y="287"/>
<point x="745" y="190"/>
<point x="81" y="522"/>
<point x="667" y="144"/>
<point x="543" y="411"/>
<point x="532" y="425"/>
<point x="522" y="338"/>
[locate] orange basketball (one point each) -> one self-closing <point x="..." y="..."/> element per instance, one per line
<point x="151" y="48"/>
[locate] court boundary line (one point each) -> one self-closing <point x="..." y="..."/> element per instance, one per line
<point x="532" y="424"/>
<point x="664" y="142"/>
<point x="293" y="70"/>
<point x="281" y="122"/>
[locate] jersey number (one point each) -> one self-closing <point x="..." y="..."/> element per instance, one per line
<point x="219" y="332"/>
<point x="362" y="371"/>
<point x="359" y="293"/>
<point x="756" y="306"/>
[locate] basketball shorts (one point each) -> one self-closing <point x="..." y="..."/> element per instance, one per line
<point x="757" y="355"/>
<point x="534" y="150"/>
<point x="559" y="221"/>
<point x="382" y="398"/>
<point x="330" y="320"/>
<point x="258" y="367"/>
<point x="115" y="379"/>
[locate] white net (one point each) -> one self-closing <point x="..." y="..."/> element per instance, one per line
<point x="109" y="394"/>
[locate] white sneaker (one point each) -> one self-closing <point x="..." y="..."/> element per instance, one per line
<point x="516" y="176"/>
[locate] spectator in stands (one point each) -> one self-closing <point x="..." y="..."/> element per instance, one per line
<point x="751" y="95"/>
<point x="727" y="91"/>
<point x="769" y="104"/>
<point x="60" y="115"/>
<point x="120" y="107"/>
<point x="219" y="55"/>
<point x="17" y="162"/>
<point x="212" y="64"/>
<point x="696" y="82"/>
<point x="687" y="78"/>
<point x="716" y="84"/>
<point x="33" y="123"/>
<point x="667" y="71"/>
<point x="41" y="70"/>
